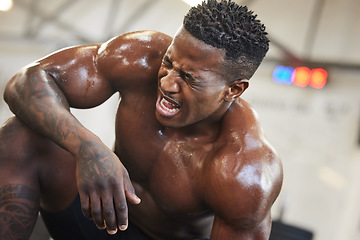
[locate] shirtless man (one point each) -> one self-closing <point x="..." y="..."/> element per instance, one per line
<point x="190" y="159"/>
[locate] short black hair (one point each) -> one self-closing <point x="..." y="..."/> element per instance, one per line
<point x="231" y="27"/>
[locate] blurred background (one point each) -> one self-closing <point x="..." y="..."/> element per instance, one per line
<point x="306" y="92"/>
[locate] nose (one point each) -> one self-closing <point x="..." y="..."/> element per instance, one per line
<point x="169" y="83"/>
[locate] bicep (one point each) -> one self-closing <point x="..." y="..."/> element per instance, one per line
<point x="76" y="74"/>
<point x="241" y="201"/>
<point x="233" y="230"/>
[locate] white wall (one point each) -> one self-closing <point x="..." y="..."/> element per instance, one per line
<point x="316" y="134"/>
<point x="315" y="131"/>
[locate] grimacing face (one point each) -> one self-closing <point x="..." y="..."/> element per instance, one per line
<point x="191" y="82"/>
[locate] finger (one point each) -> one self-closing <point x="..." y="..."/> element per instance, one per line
<point x="121" y="210"/>
<point x="130" y="192"/>
<point x="85" y="205"/>
<point x="109" y="213"/>
<point x="95" y="204"/>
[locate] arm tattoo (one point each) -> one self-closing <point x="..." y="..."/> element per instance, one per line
<point x="42" y="109"/>
<point x="97" y="162"/>
<point x="19" y="207"/>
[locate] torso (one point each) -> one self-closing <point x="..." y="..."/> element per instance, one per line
<point x="171" y="173"/>
<point x="166" y="173"/>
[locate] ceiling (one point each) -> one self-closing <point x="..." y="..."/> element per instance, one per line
<point x="318" y="31"/>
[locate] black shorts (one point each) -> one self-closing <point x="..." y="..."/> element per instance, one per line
<point x="71" y="224"/>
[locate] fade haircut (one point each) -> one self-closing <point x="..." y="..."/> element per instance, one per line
<point x="226" y="25"/>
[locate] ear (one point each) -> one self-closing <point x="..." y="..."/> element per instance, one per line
<point x="235" y="89"/>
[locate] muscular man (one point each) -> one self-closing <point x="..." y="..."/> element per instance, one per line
<point x="190" y="159"/>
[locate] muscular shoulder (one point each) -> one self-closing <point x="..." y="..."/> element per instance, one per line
<point x="149" y="41"/>
<point x="245" y="176"/>
<point x="133" y="56"/>
<point x="90" y="74"/>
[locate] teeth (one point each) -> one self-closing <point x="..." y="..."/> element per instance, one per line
<point x="172" y="110"/>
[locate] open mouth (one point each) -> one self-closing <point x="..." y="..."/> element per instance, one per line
<point x="167" y="107"/>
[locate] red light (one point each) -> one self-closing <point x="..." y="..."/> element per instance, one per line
<point x="301" y="76"/>
<point x="318" y="78"/>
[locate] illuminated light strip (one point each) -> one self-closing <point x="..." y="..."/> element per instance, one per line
<point x="283" y="74"/>
<point x="300" y="76"/>
<point x="318" y="78"/>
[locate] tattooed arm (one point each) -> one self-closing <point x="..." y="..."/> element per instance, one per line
<point x="41" y="95"/>
<point x="83" y="77"/>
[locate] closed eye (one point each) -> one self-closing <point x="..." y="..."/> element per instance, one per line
<point x="189" y="76"/>
<point x="166" y="61"/>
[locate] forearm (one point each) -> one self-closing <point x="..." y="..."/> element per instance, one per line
<point x="34" y="97"/>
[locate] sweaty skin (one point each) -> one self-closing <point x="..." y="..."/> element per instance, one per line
<point x="190" y="156"/>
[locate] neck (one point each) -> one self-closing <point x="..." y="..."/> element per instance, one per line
<point x="206" y="130"/>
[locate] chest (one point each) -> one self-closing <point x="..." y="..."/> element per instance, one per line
<point x="177" y="177"/>
<point x="169" y="170"/>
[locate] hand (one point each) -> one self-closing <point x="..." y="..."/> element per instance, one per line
<point x="104" y="184"/>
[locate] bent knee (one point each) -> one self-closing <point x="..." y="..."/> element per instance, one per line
<point x="19" y="150"/>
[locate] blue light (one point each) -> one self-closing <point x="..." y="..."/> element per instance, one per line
<point x="282" y="74"/>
